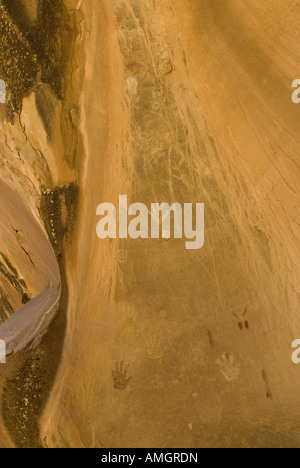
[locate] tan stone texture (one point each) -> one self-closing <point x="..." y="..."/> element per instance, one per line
<point x="165" y="101"/>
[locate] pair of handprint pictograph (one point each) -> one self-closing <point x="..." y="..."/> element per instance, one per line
<point x="155" y="346"/>
<point x="120" y="376"/>
<point x="229" y="368"/>
<point x="227" y="363"/>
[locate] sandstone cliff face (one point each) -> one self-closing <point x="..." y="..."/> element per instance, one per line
<point x="165" y="101"/>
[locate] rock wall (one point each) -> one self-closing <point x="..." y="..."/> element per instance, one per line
<point x="165" y="101"/>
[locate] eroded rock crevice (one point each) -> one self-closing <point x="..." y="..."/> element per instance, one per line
<point x="38" y="201"/>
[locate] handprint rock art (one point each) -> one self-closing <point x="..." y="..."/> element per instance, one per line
<point x="120" y="377"/>
<point x="228" y="367"/>
<point x="129" y="320"/>
<point x="156" y="348"/>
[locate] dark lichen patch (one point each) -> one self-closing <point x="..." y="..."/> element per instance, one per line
<point x="18" y="64"/>
<point x="22" y="399"/>
<point x="53" y="39"/>
<point x="25" y="391"/>
<point x="58" y="210"/>
<point x="33" y="52"/>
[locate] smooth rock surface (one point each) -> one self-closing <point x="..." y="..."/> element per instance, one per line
<point x="156" y="346"/>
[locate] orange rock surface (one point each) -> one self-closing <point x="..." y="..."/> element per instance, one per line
<point x="154" y="345"/>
